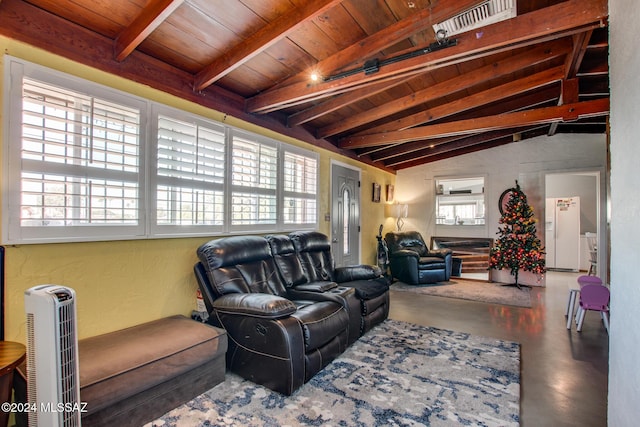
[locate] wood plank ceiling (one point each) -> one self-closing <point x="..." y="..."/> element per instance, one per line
<point x="381" y="96"/>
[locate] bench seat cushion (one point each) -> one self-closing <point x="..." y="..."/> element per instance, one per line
<point x="123" y="363"/>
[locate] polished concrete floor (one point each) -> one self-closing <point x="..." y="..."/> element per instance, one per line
<point x="563" y="372"/>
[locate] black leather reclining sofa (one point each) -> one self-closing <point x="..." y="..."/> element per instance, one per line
<point x="287" y="311"/>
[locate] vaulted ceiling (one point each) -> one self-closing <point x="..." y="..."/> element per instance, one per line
<point x="386" y="92"/>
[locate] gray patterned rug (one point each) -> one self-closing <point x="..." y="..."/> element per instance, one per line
<point x="398" y="374"/>
<point x="493" y="293"/>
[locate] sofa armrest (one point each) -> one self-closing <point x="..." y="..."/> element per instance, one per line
<point x="315" y="286"/>
<point x="356" y="272"/>
<point x="442" y="253"/>
<point x="255" y="305"/>
<point x="405" y="253"/>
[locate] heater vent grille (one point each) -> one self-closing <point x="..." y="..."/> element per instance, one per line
<point x="68" y="362"/>
<point x="487" y="12"/>
<point x="32" y="385"/>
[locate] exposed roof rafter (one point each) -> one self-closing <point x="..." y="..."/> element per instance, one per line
<point x="153" y="14"/>
<point x="567" y="112"/>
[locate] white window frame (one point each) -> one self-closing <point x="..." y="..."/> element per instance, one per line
<point x="194" y="229"/>
<point x="310" y="196"/>
<point x="147" y="175"/>
<point x="473" y="198"/>
<point x="254" y="188"/>
<point x="12" y="231"/>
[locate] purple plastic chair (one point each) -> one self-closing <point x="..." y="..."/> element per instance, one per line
<point x="589" y="280"/>
<point x="595" y="298"/>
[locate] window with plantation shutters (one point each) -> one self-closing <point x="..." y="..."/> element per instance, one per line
<point x="79" y="164"/>
<point x="254" y="173"/>
<point x="190" y="172"/>
<point x="84" y="162"/>
<point x="300" y="185"/>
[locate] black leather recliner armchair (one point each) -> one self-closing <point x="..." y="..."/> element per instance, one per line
<point x="413" y="263"/>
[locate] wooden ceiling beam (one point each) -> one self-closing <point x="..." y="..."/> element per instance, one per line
<point x="454" y="144"/>
<point x="563" y="19"/>
<point x="151" y="16"/>
<point x="339" y="101"/>
<point x="573" y="62"/>
<point x="485" y="97"/>
<point x="359" y="52"/>
<point x="580" y="45"/>
<point x="568" y="95"/>
<point x="400" y="150"/>
<point x="479" y="99"/>
<point x="567" y="112"/>
<point x="491" y="71"/>
<point x="469" y="145"/>
<point x="536" y="99"/>
<point x="261" y="40"/>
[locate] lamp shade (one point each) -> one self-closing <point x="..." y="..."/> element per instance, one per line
<point x="401" y="210"/>
<point x="397" y="210"/>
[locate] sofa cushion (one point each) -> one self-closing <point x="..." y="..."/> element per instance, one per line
<point x="240" y="264"/>
<point x="233" y="250"/>
<point x="121" y="364"/>
<point x="368" y="289"/>
<point x="431" y="263"/>
<point x="286" y="260"/>
<point x="409" y="240"/>
<point x="314" y="252"/>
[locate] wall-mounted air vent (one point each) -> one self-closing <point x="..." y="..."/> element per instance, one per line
<point x="487" y="12"/>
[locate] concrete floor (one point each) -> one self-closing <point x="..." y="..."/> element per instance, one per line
<point x="563" y="372"/>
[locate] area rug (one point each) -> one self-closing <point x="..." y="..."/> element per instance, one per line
<point x="398" y="374"/>
<point x="493" y="293"/>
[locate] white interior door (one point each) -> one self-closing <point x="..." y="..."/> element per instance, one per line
<point x="345" y="215"/>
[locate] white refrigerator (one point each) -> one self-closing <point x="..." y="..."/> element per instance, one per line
<point x="562" y="233"/>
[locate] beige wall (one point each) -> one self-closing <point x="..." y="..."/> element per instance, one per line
<point x="123" y="283"/>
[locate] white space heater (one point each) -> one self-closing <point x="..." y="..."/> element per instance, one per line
<point x="53" y="383"/>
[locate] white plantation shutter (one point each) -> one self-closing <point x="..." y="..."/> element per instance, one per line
<point x="254" y="164"/>
<point x="300" y="188"/>
<point x="190" y="173"/>
<point x="79" y="164"/>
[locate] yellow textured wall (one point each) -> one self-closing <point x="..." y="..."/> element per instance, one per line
<point x="124" y="283"/>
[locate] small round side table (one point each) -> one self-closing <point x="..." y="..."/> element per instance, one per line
<point x="11" y="355"/>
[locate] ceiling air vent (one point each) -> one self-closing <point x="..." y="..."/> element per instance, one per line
<point x="487" y="12"/>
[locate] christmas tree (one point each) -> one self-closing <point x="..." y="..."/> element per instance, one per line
<point x="517" y="247"/>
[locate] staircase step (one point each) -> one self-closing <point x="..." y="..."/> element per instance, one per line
<point x="474" y="269"/>
<point x="476" y="263"/>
